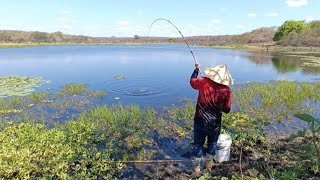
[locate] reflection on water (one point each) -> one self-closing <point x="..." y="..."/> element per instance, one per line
<point x="167" y="69"/>
<point x="287" y="63"/>
<point x="260" y="57"/>
<point x="293" y="63"/>
<point x="284" y="64"/>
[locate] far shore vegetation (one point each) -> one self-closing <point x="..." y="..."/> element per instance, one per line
<point x="290" y="36"/>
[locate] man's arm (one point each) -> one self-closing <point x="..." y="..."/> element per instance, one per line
<point x="194" y="81"/>
<point x="195" y="73"/>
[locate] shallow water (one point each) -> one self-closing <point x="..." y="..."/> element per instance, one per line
<point x="155" y="75"/>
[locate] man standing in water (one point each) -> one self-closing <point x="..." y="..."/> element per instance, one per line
<point x="214" y="97"/>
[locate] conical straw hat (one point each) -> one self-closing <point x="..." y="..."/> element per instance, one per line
<point x="219" y="74"/>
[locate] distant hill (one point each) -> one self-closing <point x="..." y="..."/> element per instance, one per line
<point x="11" y="36"/>
<point x="258" y="36"/>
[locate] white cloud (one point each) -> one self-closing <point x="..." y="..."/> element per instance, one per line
<point x="297" y="3"/>
<point x="215" y="21"/>
<point x="123" y="23"/>
<point x="309" y="18"/>
<point x="272" y="14"/>
<point x="252" y="14"/>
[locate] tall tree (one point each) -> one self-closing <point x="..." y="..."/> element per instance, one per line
<point x="289" y="26"/>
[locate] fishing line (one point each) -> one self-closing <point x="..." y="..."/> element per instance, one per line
<point x="194" y="58"/>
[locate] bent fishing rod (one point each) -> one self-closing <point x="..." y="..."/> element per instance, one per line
<point x="163" y="19"/>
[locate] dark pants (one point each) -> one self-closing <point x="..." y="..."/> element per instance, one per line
<point x="202" y="131"/>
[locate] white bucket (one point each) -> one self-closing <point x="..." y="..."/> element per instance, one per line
<point x="223" y="148"/>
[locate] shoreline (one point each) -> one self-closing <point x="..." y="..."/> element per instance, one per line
<point x="249" y="47"/>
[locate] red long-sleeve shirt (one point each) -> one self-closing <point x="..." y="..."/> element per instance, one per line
<point x="212" y="99"/>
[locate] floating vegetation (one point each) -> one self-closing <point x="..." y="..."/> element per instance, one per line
<point x="308" y="60"/>
<point x="15" y="101"/>
<point x="10" y="111"/>
<point x="68" y="152"/>
<point x="120" y="77"/>
<point x="96" y="94"/>
<point x="47" y="101"/>
<point x="312" y="62"/>
<point x="37" y="97"/>
<point x="74" y="89"/>
<point x="276" y="100"/>
<point x="19" y="86"/>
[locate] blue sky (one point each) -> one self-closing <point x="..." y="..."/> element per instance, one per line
<point x="126" y="18"/>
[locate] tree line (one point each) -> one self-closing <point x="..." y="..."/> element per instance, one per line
<point x="290" y="33"/>
<point x="7" y="36"/>
<point x="298" y="33"/>
<point x="261" y="35"/>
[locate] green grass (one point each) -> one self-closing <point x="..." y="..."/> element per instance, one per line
<point x="74" y="89"/>
<point x="277" y="100"/>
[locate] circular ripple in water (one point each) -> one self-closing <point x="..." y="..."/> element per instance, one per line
<point x="137" y="87"/>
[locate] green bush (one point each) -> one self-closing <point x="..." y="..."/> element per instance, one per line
<point x="28" y="151"/>
<point x="288" y="27"/>
<point x="31" y="151"/>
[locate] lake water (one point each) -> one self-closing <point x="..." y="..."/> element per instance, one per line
<point x="155" y="75"/>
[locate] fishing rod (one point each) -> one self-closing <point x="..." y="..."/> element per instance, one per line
<point x="163" y="19"/>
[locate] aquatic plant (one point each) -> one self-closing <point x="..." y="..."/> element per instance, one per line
<point x="74" y="89"/>
<point x="10" y="111"/>
<point x="47" y="101"/>
<point x="61" y="153"/>
<point x="278" y="100"/>
<point x="312" y="150"/>
<point x="37" y="97"/>
<point x="19" y="86"/>
<point x="184" y="113"/>
<point x="15" y="101"/>
<point x="120" y="77"/>
<point x="96" y="94"/>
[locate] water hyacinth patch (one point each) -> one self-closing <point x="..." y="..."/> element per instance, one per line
<point x="19" y="86"/>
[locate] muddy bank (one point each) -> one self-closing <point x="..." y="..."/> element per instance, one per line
<point x="286" y="153"/>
